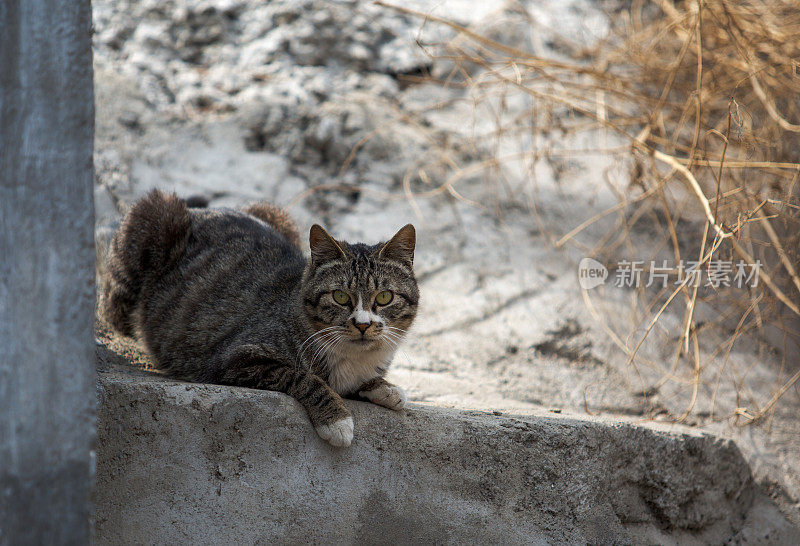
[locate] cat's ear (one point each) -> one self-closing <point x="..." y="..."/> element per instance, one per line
<point x="401" y="246"/>
<point x="323" y="247"/>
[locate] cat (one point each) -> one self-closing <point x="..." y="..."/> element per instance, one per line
<point x="227" y="297"/>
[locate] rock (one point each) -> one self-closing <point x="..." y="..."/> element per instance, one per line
<point x="312" y="80"/>
<point x="166" y="40"/>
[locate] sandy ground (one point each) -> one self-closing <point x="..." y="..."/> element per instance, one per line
<point x="240" y="103"/>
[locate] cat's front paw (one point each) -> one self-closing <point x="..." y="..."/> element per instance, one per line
<point x="339" y="433"/>
<point x="388" y="396"/>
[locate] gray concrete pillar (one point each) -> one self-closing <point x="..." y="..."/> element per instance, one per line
<point x="47" y="390"/>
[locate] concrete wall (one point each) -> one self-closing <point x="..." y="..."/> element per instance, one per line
<point x="46" y="271"/>
<point x="205" y="464"/>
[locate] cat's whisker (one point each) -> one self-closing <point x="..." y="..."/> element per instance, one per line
<point x="329" y="339"/>
<point x="317" y="333"/>
<point x="313" y="339"/>
<point x="331" y="347"/>
<point x="323" y="340"/>
<point x="399" y="335"/>
<point x="335" y="346"/>
<point x="305" y="343"/>
<point x="319" y="340"/>
<point x="317" y="352"/>
<point x="393" y="336"/>
<point x="394" y="340"/>
<point x="392" y="343"/>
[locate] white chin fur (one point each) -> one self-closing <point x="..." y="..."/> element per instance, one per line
<point x="360" y="346"/>
<point x="352" y="365"/>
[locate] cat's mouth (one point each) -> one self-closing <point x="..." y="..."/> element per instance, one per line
<point x="365" y="342"/>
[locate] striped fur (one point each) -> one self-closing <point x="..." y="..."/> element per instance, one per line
<point x="227" y="297"/>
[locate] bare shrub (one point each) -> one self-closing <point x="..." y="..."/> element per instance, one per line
<point x="704" y="99"/>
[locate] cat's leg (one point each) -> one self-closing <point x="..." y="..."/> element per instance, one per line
<point x="255" y="369"/>
<point x="277" y="218"/>
<point x="381" y="392"/>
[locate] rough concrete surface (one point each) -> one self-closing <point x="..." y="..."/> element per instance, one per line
<point x="206" y="464"/>
<point x="46" y="271"/>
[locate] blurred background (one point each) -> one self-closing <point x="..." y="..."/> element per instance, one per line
<point x="519" y="137"/>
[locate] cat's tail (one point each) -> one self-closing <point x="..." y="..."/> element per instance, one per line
<point x="278" y="219"/>
<point x="150" y="240"/>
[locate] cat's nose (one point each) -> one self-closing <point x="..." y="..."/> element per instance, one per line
<point x="362" y="326"/>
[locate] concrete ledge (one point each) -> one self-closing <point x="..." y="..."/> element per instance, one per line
<point x="204" y="464"/>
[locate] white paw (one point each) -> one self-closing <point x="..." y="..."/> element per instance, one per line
<point x="338" y="434"/>
<point x="388" y="396"/>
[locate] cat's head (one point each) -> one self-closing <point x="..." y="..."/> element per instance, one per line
<point x="366" y="296"/>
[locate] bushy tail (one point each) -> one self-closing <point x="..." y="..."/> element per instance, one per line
<point x="278" y="219"/>
<point x="149" y="242"/>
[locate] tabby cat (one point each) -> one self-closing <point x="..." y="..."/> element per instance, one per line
<point x="227" y="297"/>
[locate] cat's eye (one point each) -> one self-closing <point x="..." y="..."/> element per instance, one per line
<point x="384" y="298"/>
<point x="341" y="297"/>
